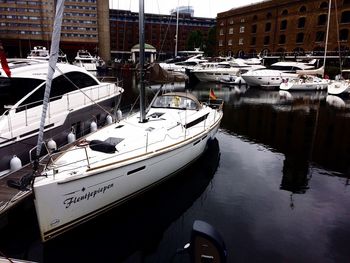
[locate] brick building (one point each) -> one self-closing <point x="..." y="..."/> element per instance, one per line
<point x="284" y="27"/>
<point x="25" y="24"/>
<point x="160" y="31"/>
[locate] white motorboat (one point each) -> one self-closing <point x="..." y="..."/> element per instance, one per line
<point x="39" y="52"/>
<point x="85" y="60"/>
<point x="214" y="72"/>
<point x="182" y="66"/>
<point x="74" y="95"/>
<point x="305" y="82"/>
<point x="274" y="75"/>
<point x="121" y="160"/>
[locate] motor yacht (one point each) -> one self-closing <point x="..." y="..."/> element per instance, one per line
<point x="85" y="60"/>
<point x="214" y="72"/>
<point x="275" y="74"/>
<point x="39" y="52"/>
<point x="182" y="66"/>
<point x="77" y="101"/>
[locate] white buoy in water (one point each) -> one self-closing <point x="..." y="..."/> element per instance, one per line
<point x="71" y="137"/>
<point x="93" y="126"/>
<point x="109" y="119"/>
<point x="119" y="115"/>
<point x="15" y="163"/>
<point x="51" y="145"/>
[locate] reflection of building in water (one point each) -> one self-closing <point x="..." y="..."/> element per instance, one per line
<point x="295" y="176"/>
<point x="293" y="132"/>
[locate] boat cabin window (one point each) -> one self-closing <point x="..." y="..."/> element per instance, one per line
<point x="14" y="89"/>
<point x="60" y="86"/>
<point x="68" y="83"/>
<point x="174" y="101"/>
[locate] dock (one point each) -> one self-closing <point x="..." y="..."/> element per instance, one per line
<point x="9" y="196"/>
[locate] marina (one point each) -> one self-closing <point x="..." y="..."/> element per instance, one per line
<point x="277" y="175"/>
<point x="194" y="159"/>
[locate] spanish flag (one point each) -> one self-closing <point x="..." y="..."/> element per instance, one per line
<point x="212" y="95"/>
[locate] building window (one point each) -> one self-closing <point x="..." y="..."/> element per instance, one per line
<point x="241" y="29"/>
<point x="267" y="27"/>
<point x="221" y="32"/>
<point x="253" y="41"/>
<point x="283" y="25"/>
<point x="255" y="18"/>
<point x="301" y="22"/>
<point x="324" y="5"/>
<point x="343" y="34"/>
<point x="345" y="17"/>
<point x="229" y="42"/>
<point x="302" y="9"/>
<point x="282" y="39"/>
<point x="300" y="38"/>
<point x="266" y="40"/>
<point x="320" y="36"/>
<point x="322" y="19"/>
<point x="254" y="28"/>
<point x="231" y="21"/>
<point x="284" y="12"/>
<point x="242" y="20"/>
<point x="268" y="15"/>
<point x="240" y="41"/>
<point x="230" y="31"/>
<point x="220" y="43"/>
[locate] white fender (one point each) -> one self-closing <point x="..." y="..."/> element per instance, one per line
<point x="119" y="115"/>
<point x="15" y="163"/>
<point x="93" y="126"/>
<point x="109" y="119"/>
<point x="71" y="137"/>
<point x="51" y="144"/>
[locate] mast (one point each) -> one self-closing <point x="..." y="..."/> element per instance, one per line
<point x="142" y="60"/>
<point x="54" y="51"/>
<point x="325" y="46"/>
<point x="177" y="27"/>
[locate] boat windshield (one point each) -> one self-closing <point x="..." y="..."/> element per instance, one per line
<point x="14" y="89"/>
<point x="174" y="101"/>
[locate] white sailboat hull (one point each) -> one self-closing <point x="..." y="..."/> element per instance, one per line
<point x="76" y="192"/>
<point x="339" y="88"/>
<point x="322" y="84"/>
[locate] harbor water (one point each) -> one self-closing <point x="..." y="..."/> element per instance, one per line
<point x="274" y="184"/>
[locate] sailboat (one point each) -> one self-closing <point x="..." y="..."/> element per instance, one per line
<point x="123" y="159"/>
<point x="308" y="79"/>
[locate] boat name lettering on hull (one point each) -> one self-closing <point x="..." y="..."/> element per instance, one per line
<point x="92" y="194"/>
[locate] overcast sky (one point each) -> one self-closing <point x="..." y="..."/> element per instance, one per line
<point x="202" y="8"/>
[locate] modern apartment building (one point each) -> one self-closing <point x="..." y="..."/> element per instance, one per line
<point x="283" y="27"/>
<point x="25" y="24"/>
<point x="160" y="31"/>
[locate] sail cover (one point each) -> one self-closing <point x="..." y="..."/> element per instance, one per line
<point x="318" y="71"/>
<point x="54" y="50"/>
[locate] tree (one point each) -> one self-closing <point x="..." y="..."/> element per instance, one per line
<point x="195" y="40"/>
<point x="211" y="42"/>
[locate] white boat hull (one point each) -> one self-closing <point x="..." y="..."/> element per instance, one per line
<point x="339" y="88"/>
<point x="299" y="85"/>
<point x="266" y="78"/>
<point x="79" y="188"/>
